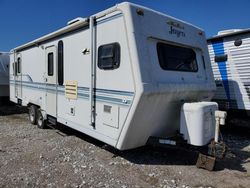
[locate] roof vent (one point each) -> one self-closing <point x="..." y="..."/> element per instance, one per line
<point x="75" y="20"/>
<point x="224" y="32"/>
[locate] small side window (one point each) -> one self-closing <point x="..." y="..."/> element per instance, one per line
<point x="18" y="65"/>
<point x="109" y="56"/>
<point x="220" y="58"/>
<point x="50" y="64"/>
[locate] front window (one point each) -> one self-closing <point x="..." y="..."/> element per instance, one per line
<point x="176" y="58"/>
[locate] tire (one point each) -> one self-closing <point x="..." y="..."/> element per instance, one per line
<point x="41" y="123"/>
<point x="33" y="114"/>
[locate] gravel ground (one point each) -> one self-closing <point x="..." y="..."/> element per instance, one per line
<point x="62" y="157"/>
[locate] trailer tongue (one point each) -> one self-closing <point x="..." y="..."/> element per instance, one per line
<point x="199" y="123"/>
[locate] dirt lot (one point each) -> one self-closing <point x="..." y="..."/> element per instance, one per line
<point x="62" y="157"/>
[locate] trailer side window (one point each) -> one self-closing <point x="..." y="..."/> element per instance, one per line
<point x="176" y="58"/>
<point x="60" y="63"/>
<point x="50" y="64"/>
<point x="109" y="56"/>
<point x="18" y="65"/>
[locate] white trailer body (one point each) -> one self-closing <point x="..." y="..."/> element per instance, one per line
<point x="4" y="74"/>
<point x="109" y="77"/>
<point x="230" y="58"/>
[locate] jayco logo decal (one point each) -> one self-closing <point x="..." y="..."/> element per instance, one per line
<point x="176" y="32"/>
<point x="176" y="29"/>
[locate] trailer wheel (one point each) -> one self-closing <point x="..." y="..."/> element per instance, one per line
<point x="33" y="114"/>
<point x="41" y="122"/>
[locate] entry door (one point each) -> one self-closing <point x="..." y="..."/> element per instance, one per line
<point x="51" y="81"/>
<point x="18" y="76"/>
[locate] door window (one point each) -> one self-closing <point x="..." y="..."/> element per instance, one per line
<point x="18" y="65"/>
<point x="50" y="64"/>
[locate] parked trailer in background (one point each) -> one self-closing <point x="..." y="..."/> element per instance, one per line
<point x="4" y="75"/>
<point x="230" y="58"/>
<point x="121" y="77"/>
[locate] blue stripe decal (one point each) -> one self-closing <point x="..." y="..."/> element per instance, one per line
<point x="218" y="47"/>
<point x="82" y="89"/>
<point x="83" y="92"/>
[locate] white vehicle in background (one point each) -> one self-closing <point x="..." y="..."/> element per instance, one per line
<point x="230" y="58"/>
<point x="122" y="76"/>
<point x="4" y="75"/>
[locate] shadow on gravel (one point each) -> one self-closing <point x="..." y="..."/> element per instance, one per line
<point x="236" y="138"/>
<point x="9" y="108"/>
<point x="147" y="155"/>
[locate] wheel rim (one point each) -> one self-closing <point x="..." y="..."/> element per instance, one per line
<point x="40" y="120"/>
<point x="32" y="115"/>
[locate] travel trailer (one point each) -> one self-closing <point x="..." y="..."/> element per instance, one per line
<point x="230" y="58"/>
<point x="4" y="75"/>
<point x="121" y="77"/>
